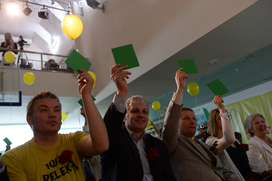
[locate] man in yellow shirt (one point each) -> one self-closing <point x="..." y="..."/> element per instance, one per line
<point x="52" y="156"/>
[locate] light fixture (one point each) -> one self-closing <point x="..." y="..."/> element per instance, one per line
<point x="27" y="11"/>
<point x="13" y="8"/>
<point x="96" y="5"/>
<point x="43" y="13"/>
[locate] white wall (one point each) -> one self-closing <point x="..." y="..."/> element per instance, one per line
<point x="157" y="30"/>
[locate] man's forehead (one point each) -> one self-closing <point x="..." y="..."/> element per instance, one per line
<point x="137" y="104"/>
<point x="187" y="113"/>
<point x="50" y="102"/>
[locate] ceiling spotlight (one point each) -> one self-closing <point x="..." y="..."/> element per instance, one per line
<point x="96" y="5"/>
<point x="43" y="13"/>
<point x="27" y="11"/>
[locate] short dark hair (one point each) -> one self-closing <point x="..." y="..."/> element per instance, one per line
<point x="237" y="135"/>
<point x="42" y="95"/>
<point x="187" y="109"/>
<point x="51" y="60"/>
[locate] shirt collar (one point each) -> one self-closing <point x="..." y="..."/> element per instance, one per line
<point x="133" y="136"/>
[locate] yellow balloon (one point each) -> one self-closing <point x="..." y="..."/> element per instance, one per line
<point x="63" y="116"/>
<point x="9" y="56"/>
<point x="193" y="89"/>
<point x="156" y="105"/>
<point x="92" y="75"/>
<point x="29" y="78"/>
<point x="72" y="26"/>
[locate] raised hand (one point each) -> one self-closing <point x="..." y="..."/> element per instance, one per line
<point x="119" y="78"/>
<point x="180" y="80"/>
<point x="218" y="101"/>
<point x="85" y="82"/>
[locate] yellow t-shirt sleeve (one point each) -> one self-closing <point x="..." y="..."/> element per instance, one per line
<point x="14" y="166"/>
<point x="78" y="137"/>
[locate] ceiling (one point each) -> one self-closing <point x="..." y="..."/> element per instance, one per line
<point x="247" y="32"/>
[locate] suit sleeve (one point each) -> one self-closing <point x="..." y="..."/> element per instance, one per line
<point x="113" y="120"/>
<point x="170" y="127"/>
<point x="229" y="175"/>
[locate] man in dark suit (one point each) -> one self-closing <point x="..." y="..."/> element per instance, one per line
<point x="133" y="155"/>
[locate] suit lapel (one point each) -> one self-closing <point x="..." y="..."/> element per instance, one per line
<point x="211" y="155"/>
<point x="200" y="151"/>
<point x="152" y="164"/>
<point x="132" y="145"/>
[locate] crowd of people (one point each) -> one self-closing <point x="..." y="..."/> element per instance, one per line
<point x="117" y="148"/>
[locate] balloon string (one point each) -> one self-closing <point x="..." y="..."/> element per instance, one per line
<point x="79" y="98"/>
<point x="158" y="115"/>
<point x="195" y="101"/>
<point x="73" y="40"/>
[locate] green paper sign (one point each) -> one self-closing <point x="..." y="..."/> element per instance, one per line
<point x="206" y="112"/>
<point x="125" y="55"/>
<point x="81" y="103"/>
<point x="217" y="87"/>
<point x="7" y="141"/>
<point x="77" y="61"/>
<point x="188" y="66"/>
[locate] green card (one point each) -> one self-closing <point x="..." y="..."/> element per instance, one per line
<point x="81" y="103"/>
<point x="188" y="66"/>
<point x="77" y="61"/>
<point x="7" y="141"/>
<point x="206" y="112"/>
<point x="217" y="87"/>
<point x="125" y="55"/>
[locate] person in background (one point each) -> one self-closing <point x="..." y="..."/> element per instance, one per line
<point x="260" y="145"/>
<point x="50" y="62"/>
<point x="238" y="136"/>
<point x="7" y="148"/>
<point x="31" y="65"/>
<point x="237" y="153"/>
<point x="10" y="44"/>
<point x="46" y="65"/>
<point x="222" y="134"/>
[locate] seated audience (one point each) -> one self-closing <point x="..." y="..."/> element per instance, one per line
<point x="190" y="158"/>
<point x="52" y="63"/>
<point x="46" y="65"/>
<point x="222" y="134"/>
<point x="53" y="156"/>
<point x="31" y="65"/>
<point x="94" y="162"/>
<point x="7" y="148"/>
<point x="10" y="44"/>
<point x="237" y="153"/>
<point x="260" y="151"/>
<point x="238" y="137"/>
<point x="133" y="154"/>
